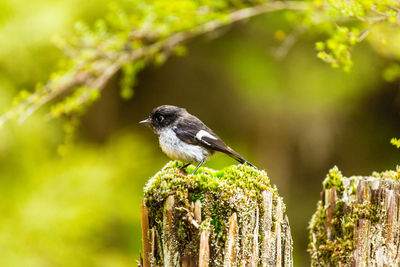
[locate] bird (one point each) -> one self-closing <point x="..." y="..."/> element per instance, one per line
<point x="184" y="137"/>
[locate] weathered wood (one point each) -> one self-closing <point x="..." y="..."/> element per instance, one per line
<point x="231" y="239"/>
<point x="169" y="235"/>
<point x="277" y="233"/>
<point x="237" y="220"/>
<point x="145" y="235"/>
<point x="188" y="261"/>
<point x="357" y="221"/>
<point x="268" y="241"/>
<point x="330" y="205"/>
<point x="153" y="246"/>
<point x="204" y="251"/>
<point x="255" y="256"/>
<point x="197" y="211"/>
<point x="361" y="253"/>
<point x="288" y="244"/>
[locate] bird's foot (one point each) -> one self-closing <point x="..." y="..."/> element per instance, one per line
<point x="182" y="169"/>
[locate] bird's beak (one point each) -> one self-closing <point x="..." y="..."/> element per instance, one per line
<point x="146" y="121"/>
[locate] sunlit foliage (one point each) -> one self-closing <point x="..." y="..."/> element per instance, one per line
<point x="395" y="142"/>
<point x="78" y="211"/>
<point x="135" y="34"/>
<point x="81" y="209"/>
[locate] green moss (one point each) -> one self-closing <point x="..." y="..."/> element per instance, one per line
<point x="227" y="182"/>
<point x="234" y="189"/>
<point x="391" y="174"/>
<point x="339" y="248"/>
<point x="334" y="179"/>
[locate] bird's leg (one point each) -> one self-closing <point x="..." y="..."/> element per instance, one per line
<point x="182" y="169"/>
<point x="198" y="166"/>
<point x="184" y="166"/>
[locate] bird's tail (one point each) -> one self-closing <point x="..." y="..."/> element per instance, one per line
<point x="238" y="157"/>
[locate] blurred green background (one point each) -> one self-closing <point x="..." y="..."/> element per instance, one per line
<point x="295" y="117"/>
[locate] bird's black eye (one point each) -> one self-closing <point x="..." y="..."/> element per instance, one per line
<point x="160" y="118"/>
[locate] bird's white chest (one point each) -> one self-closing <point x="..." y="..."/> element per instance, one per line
<point x="179" y="150"/>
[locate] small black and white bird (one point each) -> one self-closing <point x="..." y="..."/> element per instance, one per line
<point x="184" y="137"/>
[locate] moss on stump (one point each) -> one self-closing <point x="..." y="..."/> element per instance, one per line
<point x="357" y="221"/>
<point x="215" y="218"/>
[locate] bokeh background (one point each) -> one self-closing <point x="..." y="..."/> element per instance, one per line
<point x="293" y="116"/>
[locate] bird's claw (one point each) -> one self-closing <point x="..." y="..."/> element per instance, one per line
<point x="182" y="170"/>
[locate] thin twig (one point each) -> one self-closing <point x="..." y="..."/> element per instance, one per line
<point x="288" y="43"/>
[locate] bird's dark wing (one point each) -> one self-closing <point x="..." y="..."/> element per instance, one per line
<point x="195" y="132"/>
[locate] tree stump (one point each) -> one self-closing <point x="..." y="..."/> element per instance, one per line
<point x="357" y="221"/>
<point x="233" y="217"/>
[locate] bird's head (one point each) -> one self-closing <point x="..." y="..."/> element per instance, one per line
<point x="163" y="116"/>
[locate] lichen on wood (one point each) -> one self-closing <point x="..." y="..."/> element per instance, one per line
<point x="357" y="221"/>
<point x="232" y="217"/>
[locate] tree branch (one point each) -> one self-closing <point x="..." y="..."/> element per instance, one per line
<point x="113" y="63"/>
